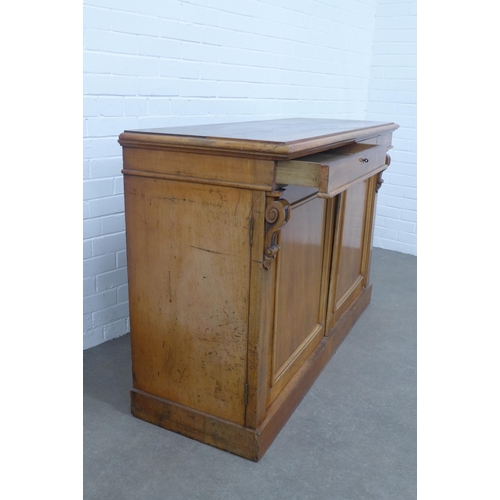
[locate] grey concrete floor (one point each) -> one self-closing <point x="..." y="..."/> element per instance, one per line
<point x="352" y="437"/>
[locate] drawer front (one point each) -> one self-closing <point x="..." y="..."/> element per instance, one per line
<point x="333" y="171"/>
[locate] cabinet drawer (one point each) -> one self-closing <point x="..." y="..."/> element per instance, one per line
<point x="333" y="171"/>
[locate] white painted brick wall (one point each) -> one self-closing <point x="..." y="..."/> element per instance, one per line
<point x="159" y="63"/>
<point x="393" y="96"/>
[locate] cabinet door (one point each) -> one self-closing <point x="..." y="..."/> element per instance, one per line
<point x="353" y="214"/>
<point x="299" y="310"/>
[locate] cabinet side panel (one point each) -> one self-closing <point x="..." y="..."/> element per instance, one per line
<point x="188" y="265"/>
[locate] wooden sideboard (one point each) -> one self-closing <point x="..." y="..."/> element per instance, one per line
<point x="248" y="248"/>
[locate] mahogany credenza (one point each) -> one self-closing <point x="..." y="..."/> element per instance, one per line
<point x="248" y="253"/>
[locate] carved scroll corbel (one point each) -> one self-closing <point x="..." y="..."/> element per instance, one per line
<point x="277" y="215"/>
<point x="380" y="181"/>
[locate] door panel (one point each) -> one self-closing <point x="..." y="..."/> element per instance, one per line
<point x="352" y="207"/>
<point x="351" y="244"/>
<point x="298" y="322"/>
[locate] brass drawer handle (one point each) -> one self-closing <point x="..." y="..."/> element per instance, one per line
<point x="364" y="159"/>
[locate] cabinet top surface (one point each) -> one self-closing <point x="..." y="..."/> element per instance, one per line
<point x="280" y="138"/>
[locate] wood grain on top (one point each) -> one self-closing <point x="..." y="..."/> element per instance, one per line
<point x="284" y="138"/>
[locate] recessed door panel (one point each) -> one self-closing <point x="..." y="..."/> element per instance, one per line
<point x="351" y="244"/>
<point x="352" y="209"/>
<point x="298" y="324"/>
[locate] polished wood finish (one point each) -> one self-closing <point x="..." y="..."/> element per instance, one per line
<point x="272" y="139"/>
<point x="355" y="213"/>
<point x="334" y="171"/>
<point x="199" y="168"/>
<point x="298" y="314"/>
<point x="188" y="308"/>
<point x="245" y="441"/>
<point x="248" y="250"/>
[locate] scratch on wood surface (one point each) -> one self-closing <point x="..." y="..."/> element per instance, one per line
<point x="182" y="375"/>
<point x="237" y="204"/>
<point x="210" y="251"/>
<point x="254" y="201"/>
